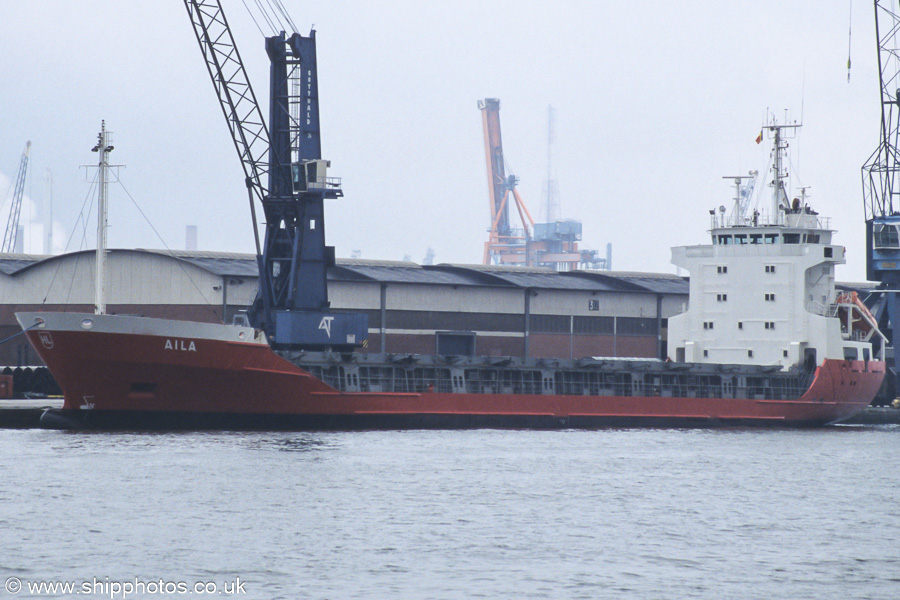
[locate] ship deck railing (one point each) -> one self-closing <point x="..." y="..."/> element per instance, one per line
<point x="586" y="377"/>
<point x="821" y="309"/>
<point x="831" y="310"/>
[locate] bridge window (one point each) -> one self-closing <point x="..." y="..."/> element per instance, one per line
<point x="740" y="239"/>
<point x="756" y="238"/>
<point x="771" y="238"/>
<point x="792" y="238"/>
<point x="724" y="240"/>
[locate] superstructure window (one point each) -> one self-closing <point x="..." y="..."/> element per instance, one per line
<point x="740" y="324"/>
<point x="771" y="238"/>
<point x="740" y="239"/>
<point x="749" y="353"/>
<point x="770" y="268"/>
<point x="770" y="297"/>
<point x="885" y="236"/>
<point x="792" y="238"/>
<point x="756" y="238"/>
<point x="721" y="269"/>
<point x="829" y="253"/>
<point x="724" y="240"/>
<point x="770" y="325"/>
<point x="812" y="238"/>
<point x="707" y="324"/>
<point x="722" y="297"/>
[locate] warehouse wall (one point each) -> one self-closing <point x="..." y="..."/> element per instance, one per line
<point x="404" y="316"/>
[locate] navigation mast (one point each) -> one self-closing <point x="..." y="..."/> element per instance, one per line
<point x="103" y="147"/>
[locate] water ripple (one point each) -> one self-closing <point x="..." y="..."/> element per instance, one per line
<point x="733" y="513"/>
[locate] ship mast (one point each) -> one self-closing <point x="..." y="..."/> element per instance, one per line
<point x="779" y="194"/>
<point x="104" y="148"/>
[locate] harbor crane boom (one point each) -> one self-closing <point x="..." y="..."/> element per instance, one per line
<point x="15" y="208"/>
<point x="504" y="243"/>
<point x="881" y="186"/>
<point x="285" y="173"/>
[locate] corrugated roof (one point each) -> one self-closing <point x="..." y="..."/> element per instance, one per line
<point x="11" y="263"/>
<point x="400" y="273"/>
<point x="545" y="280"/>
<point x="368" y="262"/>
<point x="218" y="263"/>
<point x="660" y="283"/>
<point x="499" y="268"/>
<point x="387" y="271"/>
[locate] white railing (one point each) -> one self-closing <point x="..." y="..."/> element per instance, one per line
<point x="824" y="310"/>
<point x="787" y="219"/>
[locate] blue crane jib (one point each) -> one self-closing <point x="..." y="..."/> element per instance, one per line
<point x="292" y="303"/>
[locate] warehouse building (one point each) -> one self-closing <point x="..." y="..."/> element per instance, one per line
<point x="445" y="309"/>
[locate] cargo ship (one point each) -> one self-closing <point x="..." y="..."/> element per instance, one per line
<point x="765" y="340"/>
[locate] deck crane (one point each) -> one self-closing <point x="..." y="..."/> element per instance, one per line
<point x="881" y="185"/>
<point x="285" y="173"/>
<point x="15" y="209"/>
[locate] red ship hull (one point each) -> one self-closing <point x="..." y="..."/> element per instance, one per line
<point x="139" y="377"/>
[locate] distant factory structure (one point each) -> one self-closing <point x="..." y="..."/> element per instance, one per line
<point x="553" y="243"/>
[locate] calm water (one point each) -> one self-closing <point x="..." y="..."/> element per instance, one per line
<point x="468" y="514"/>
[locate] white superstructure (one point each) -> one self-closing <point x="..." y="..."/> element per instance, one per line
<point x="763" y="291"/>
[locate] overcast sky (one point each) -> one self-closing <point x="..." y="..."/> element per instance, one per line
<point x="655" y="102"/>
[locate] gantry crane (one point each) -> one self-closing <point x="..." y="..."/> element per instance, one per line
<point x="15" y="208"/>
<point x="285" y="173"/>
